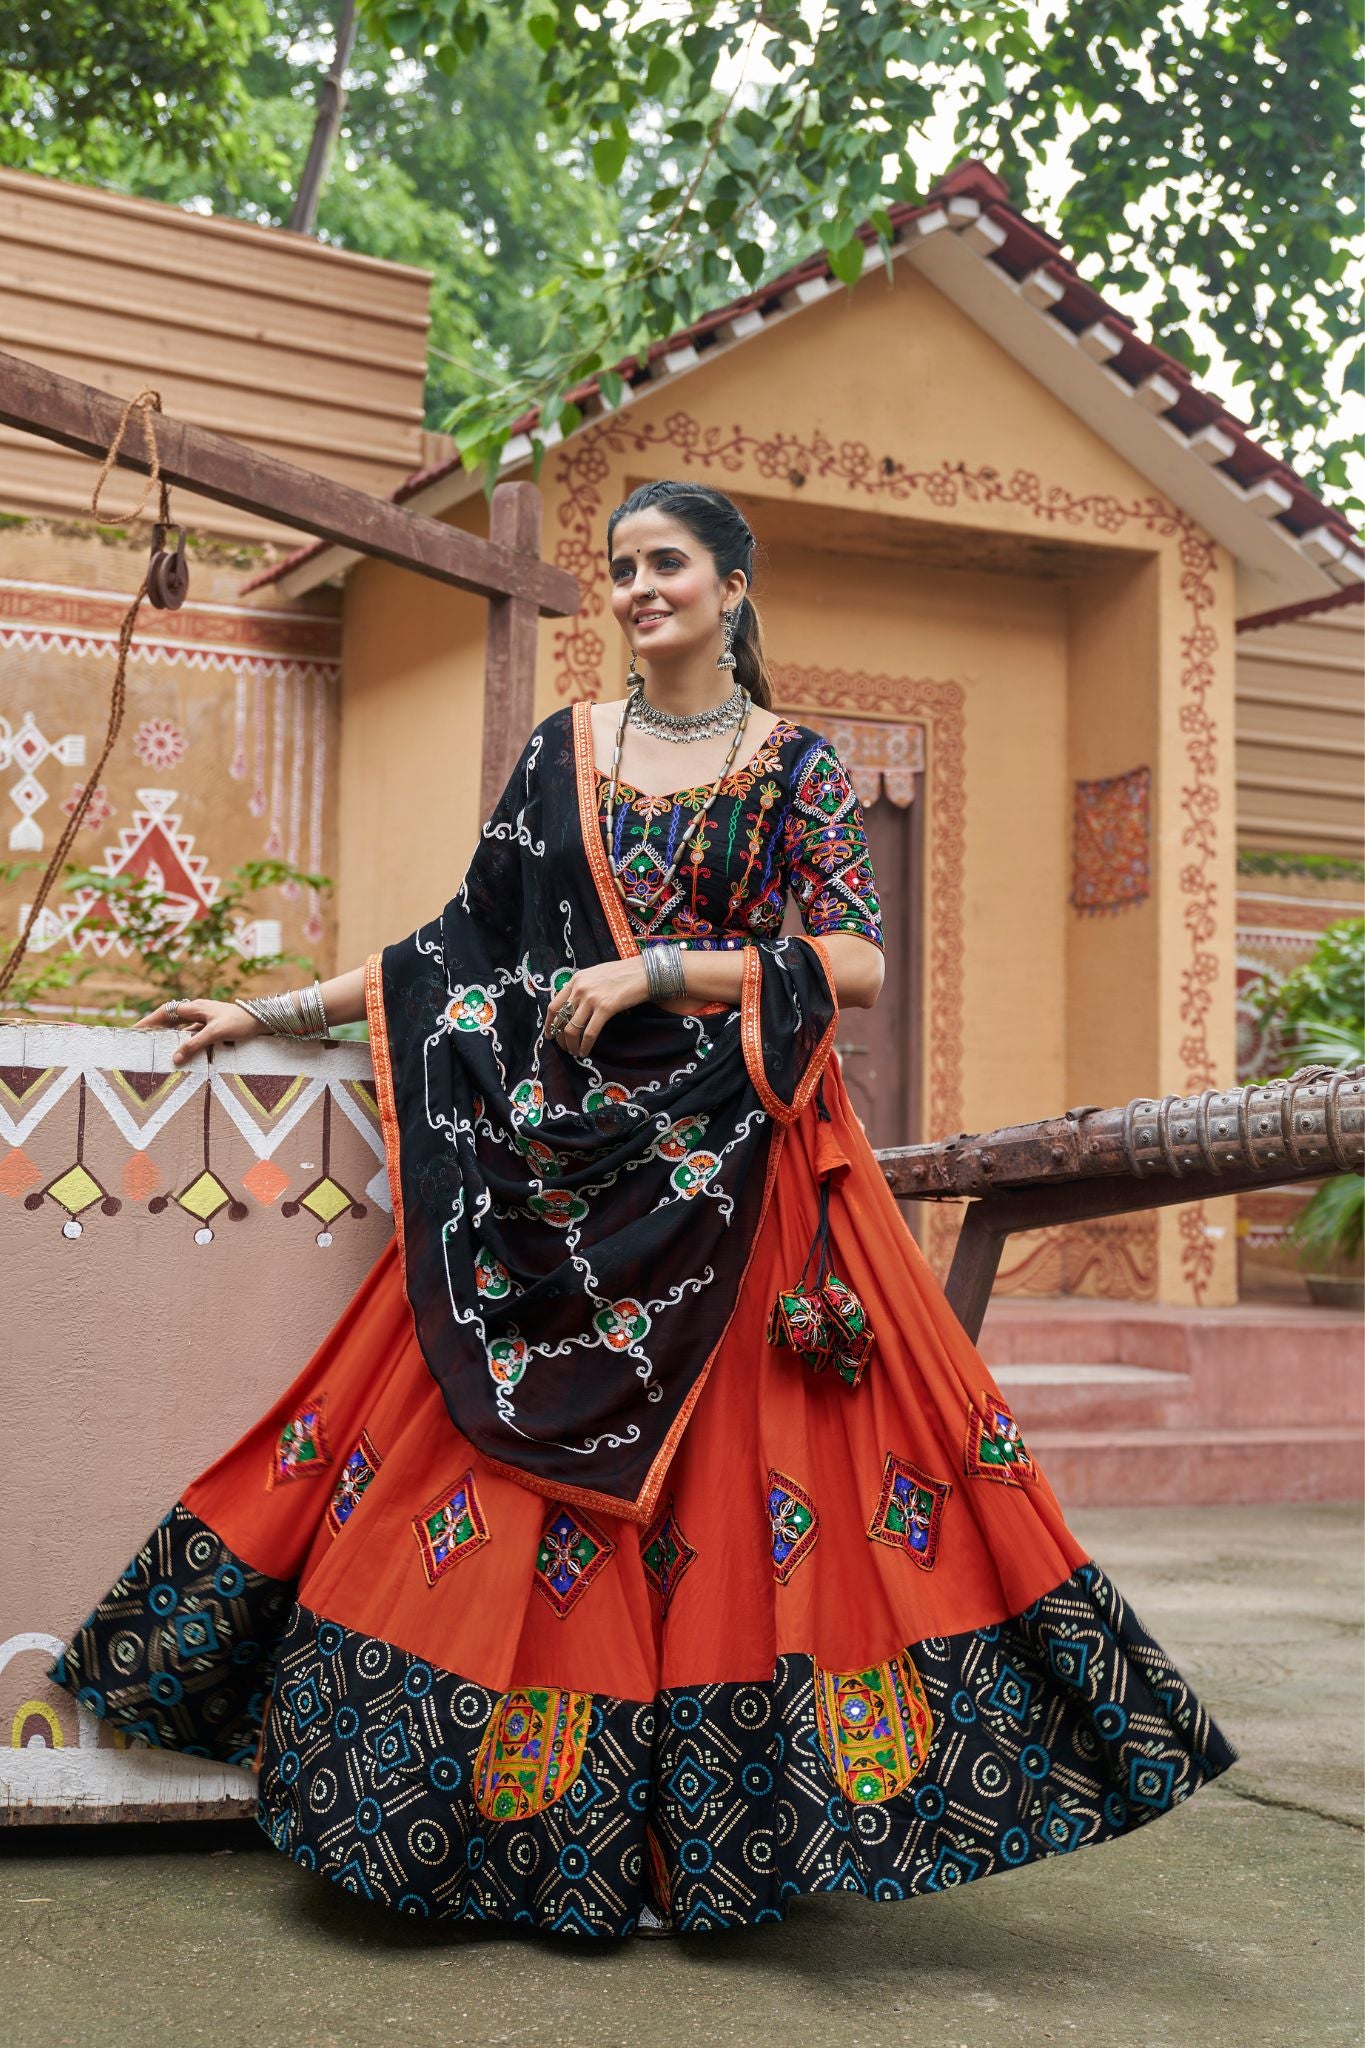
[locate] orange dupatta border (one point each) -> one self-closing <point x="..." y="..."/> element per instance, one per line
<point x="383" y="1077"/>
<point x="585" y="770"/>
<point x="751" y="1037"/>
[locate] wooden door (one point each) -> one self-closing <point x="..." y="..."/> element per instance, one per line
<point x="878" y="1048"/>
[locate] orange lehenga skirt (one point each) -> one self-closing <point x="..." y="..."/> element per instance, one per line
<point x="857" y="1648"/>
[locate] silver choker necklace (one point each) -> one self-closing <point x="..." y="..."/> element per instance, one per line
<point x="692" y="725"/>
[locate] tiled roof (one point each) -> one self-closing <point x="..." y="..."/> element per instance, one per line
<point x="970" y="204"/>
<point x="1335" y="601"/>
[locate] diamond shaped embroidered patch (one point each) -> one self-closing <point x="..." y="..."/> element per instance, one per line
<point x="573" y="1551"/>
<point x="795" y="1521"/>
<point x="995" y="1449"/>
<point x="909" y="1511"/>
<point x="301" y="1448"/>
<point x="357" y="1472"/>
<point x="450" y="1529"/>
<point x="666" y="1555"/>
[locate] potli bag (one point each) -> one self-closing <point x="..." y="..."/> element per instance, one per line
<point x="821" y="1318"/>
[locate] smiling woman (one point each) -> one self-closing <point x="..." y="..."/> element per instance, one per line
<point x="647" y="1545"/>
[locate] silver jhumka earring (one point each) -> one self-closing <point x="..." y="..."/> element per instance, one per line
<point x="726" y="657"/>
<point x="634" y="679"/>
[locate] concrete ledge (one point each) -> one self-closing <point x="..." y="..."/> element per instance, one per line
<point x="175" y="1242"/>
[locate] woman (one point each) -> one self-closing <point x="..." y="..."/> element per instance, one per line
<point x="647" y="1544"/>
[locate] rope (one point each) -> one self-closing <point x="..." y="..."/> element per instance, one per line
<point x="146" y="402"/>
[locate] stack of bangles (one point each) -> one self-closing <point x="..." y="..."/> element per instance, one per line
<point x="298" y="1013"/>
<point x="664" y="976"/>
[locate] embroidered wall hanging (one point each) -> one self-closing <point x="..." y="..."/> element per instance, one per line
<point x="1111" y="864"/>
<point x="882" y="758"/>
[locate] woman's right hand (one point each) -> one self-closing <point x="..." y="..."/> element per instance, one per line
<point x="208" y="1024"/>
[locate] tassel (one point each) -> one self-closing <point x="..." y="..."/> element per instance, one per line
<point x="821" y="1319"/>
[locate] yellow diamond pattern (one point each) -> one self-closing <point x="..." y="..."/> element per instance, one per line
<point x="326" y="1200"/>
<point x="76" y="1190"/>
<point x="204" y="1197"/>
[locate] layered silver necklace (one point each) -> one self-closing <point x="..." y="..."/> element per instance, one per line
<point x="636" y="889"/>
<point x="682" y="726"/>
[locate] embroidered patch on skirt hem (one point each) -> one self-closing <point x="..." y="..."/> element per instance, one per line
<point x="960" y="1757"/>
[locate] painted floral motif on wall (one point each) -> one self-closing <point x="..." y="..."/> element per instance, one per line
<point x="100" y="810"/>
<point x="159" y="743"/>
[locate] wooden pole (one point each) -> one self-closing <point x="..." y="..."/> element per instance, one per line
<point x="38" y="401"/>
<point x="509" y="691"/>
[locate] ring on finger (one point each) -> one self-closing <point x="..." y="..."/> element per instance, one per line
<point x="173" y="1014"/>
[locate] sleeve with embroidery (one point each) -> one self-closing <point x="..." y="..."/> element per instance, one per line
<point x="826" y="851"/>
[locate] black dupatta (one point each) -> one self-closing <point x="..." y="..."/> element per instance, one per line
<point x="575" y="1231"/>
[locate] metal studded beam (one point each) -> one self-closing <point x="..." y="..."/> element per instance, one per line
<point x="1145" y="1154"/>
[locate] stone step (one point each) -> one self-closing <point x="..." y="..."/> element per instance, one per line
<point x="1094" y="1396"/>
<point x="1243" y="1367"/>
<point x="1078" y="1331"/>
<point x="1190" y="1467"/>
<point x="1029" y="1333"/>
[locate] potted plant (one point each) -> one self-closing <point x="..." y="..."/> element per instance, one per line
<point x="1318" y="1012"/>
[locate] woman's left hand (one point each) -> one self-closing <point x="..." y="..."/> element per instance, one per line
<point x="595" y="994"/>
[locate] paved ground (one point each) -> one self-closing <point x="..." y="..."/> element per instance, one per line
<point x="1235" y="1922"/>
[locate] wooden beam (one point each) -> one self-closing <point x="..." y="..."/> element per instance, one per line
<point x="75" y="415"/>
<point x="992" y="1218"/>
<point x="509" y="663"/>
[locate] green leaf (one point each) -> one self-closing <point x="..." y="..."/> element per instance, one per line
<point x="847" y="262"/>
<point x="750" y="262"/>
<point x="609" y="154"/>
<point x="993" y="77"/>
<point x="543" y="30"/>
<point x="663" y="67"/>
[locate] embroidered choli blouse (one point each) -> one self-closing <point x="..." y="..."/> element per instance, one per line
<point x="787" y="821"/>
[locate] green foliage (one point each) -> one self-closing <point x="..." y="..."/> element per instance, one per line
<point x="1324" y="867"/>
<point x="201" y="960"/>
<point x="1217" y="156"/>
<point x="1319" y="1007"/>
<point x="583" y="177"/>
<point x="1211" y="151"/>
<point x="1320" y="1011"/>
<point x="1330" y="1230"/>
<point x="76" y="78"/>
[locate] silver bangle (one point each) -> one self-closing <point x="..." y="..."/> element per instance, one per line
<point x="299" y="1013"/>
<point x="664" y="975"/>
<point x="310" y="1001"/>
